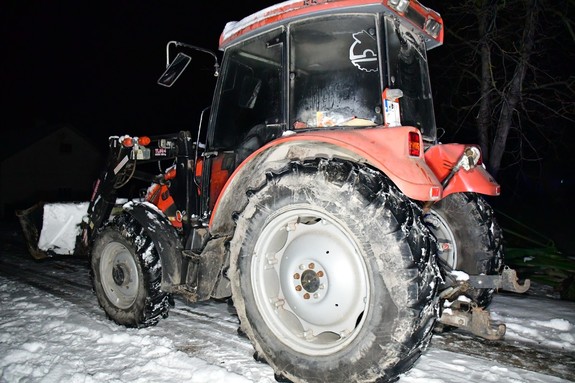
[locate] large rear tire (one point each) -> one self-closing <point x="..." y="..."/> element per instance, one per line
<point x="126" y="273"/>
<point x="469" y="239"/>
<point x="332" y="274"/>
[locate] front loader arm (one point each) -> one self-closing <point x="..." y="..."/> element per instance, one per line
<point x="104" y="194"/>
<point x="124" y="154"/>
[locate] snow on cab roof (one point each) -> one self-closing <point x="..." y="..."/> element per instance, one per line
<point x="234" y="27"/>
<point x="292" y="8"/>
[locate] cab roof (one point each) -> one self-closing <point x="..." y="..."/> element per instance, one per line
<point x="427" y="21"/>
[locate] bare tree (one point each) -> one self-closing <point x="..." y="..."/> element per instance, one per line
<point x="499" y="74"/>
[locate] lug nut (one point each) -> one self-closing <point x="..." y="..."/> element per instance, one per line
<point x="298" y="288"/>
<point x="311" y="265"/>
<point x="320" y="273"/>
<point x="306" y="296"/>
<point x="296" y="276"/>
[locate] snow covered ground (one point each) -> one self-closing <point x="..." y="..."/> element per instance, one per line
<point x="52" y="330"/>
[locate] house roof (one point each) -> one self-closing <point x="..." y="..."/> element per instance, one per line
<point x="21" y="139"/>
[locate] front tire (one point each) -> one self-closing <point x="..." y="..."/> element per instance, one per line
<point x="126" y="274"/>
<point x="331" y="274"/>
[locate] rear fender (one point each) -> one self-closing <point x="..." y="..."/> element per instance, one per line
<point x="385" y="149"/>
<point x="165" y="237"/>
<point x="442" y="158"/>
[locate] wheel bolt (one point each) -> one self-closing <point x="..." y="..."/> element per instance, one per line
<point x="306" y="296"/>
<point x="296" y="276"/>
<point x="298" y="288"/>
<point x="320" y="273"/>
<point x="311" y="265"/>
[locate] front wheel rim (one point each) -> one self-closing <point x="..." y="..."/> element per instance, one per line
<point x="310" y="281"/>
<point x="119" y="275"/>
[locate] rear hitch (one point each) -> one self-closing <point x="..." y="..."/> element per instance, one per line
<point x="507" y="281"/>
<point x="460" y="312"/>
<point x="476" y="320"/>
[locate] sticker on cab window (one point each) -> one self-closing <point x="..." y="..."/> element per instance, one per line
<point x="363" y="51"/>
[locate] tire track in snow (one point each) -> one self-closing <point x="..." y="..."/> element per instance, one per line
<point x="208" y="330"/>
<point x="205" y="330"/>
<point x="548" y="361"/>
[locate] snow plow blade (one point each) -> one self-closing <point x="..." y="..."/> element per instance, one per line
<point x="52" y="228"/>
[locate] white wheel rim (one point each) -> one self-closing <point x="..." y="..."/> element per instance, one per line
<point x="119" y="275"/>
<point x="446" y="245"/>
<point x="310" y="281"/>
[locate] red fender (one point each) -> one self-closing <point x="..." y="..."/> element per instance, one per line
<point x="442" y="158"/>
<point x="386" y="149"/>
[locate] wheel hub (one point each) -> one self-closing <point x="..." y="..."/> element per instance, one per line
<point x="312" y="282"/>
<point x="119" y="274"/>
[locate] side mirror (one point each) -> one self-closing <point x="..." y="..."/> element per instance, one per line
<point x="174" y="70"/>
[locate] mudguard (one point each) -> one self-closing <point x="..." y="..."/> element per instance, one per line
<point x="442" y="158"/>
<point x="165" y="238"/>
<point x="385" y="149"/>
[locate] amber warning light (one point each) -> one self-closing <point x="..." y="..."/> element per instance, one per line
<point x="414" y="144"/>
<point x="128" y="141"/>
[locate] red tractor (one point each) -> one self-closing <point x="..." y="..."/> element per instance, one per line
<point x="316" y="196"/>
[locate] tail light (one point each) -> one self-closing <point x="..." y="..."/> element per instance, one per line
<point x="414" y="144"/>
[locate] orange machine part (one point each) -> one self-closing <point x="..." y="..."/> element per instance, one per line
<point x="219" y="177"/>
<point x="160" y="196"/>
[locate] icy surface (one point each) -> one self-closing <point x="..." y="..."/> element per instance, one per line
<point x="52" y="330"/>
<point x="46" y="338"/>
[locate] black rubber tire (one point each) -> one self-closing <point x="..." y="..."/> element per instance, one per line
<point x="393" y="250"/>
<point x="132" y="296"/>
<point x="477" y="236"/>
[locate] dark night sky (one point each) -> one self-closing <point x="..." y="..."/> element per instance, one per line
<point x="95" y="64"/>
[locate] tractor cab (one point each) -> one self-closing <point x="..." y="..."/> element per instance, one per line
<point x="302" y="66"/>
<point x="343" y="64"/>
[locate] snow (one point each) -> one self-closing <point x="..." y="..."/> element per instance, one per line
<point x="460" y="275"/>
<point x="52" y="330"/>
<point x="47" y="339"/>
<point x="233" y="27"/>
<point x="60" y="235"/>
